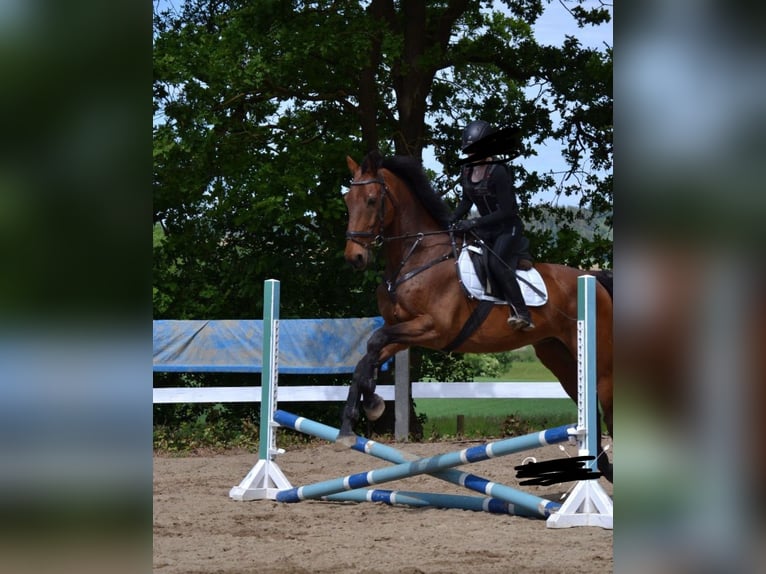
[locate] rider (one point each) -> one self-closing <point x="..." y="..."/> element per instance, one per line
<point x="489" y="187"/>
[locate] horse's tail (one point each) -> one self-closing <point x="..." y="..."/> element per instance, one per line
<point x="605" y="278"/>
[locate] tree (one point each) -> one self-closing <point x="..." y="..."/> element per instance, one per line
<point x="258" y="101"/>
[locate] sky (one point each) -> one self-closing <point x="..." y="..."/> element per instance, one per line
<point x="551" y="29"/>
<point x="556" y="22"/>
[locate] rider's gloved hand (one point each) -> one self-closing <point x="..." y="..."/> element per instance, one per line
<point x="463" y="225"/>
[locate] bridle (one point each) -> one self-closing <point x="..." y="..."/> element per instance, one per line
<point x="376" y="237"/>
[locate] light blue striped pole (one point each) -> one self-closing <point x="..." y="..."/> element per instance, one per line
<point x="429" y="465"/>
<point x="587" y="408"/>
<point x="522" y="503"/>
<point x="419" y="499"/>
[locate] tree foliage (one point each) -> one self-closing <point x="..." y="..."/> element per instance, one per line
<point x="257" y="103"/>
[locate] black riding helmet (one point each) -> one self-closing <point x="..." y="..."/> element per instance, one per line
<point x="475" y="131"/>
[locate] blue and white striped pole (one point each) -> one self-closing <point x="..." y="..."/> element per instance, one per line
<point x="427" y="465"/>
<point x="420" y="499"/>
<point x="523" y="503"/>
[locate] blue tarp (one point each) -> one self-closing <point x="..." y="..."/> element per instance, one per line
<point x="306" y="346"/>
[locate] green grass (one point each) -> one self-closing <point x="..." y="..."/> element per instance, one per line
<point x="494" y="417"/>
<point x="499" y="417"/>
<point x="523" y="371"/>
<point x="438" y="408"/>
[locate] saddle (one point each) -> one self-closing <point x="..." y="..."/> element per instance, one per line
<point x="530" y="281"/>
<point x="473" y="265"/>
<point x="480" y="258"/>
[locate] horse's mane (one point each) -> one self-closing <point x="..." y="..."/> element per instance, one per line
<point x="410" y="170"/>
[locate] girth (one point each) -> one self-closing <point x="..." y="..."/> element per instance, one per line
<point x="478" y="316"/>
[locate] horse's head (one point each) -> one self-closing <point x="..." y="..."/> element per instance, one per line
<point x="367" y="213"/>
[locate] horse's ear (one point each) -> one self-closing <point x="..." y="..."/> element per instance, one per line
<point x="352" y="165"/>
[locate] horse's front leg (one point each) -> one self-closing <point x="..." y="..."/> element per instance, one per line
<point x="382" y="345"/>
<point x="362" y="389"/>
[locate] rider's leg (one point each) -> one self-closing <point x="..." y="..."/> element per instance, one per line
<point x="503" y="269"/>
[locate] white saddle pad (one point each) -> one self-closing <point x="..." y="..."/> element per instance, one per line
<point x="475" y="289"/>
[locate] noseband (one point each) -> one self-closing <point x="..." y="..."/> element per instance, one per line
<point x="376" y="237"/>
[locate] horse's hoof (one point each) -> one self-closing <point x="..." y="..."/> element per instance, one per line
<point x="608" y="471"/>
<point x="374" y="407"/>
<point x="345" y="441"/>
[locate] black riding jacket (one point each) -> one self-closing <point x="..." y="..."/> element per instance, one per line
<point x="494" y="197"/>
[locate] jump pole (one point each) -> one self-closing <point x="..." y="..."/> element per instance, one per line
<point x="588" y="504"/>
<point x="433" y="500"/>
<point x="265" y="479"/>
<point x="426" y="465"/>
<point x="503" y="499"/>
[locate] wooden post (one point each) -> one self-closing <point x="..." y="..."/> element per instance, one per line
<point x="402" y="390"/>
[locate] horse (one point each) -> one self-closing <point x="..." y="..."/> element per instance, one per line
<point x="392" y="207"/>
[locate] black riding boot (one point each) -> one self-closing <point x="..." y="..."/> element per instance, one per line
<point x="519" y="318"/>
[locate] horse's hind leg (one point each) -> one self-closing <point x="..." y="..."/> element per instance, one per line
<point x="560" y="361"/>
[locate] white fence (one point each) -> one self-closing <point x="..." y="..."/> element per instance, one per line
<point x="420" y="390"/>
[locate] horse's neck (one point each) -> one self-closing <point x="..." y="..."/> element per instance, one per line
<point x="411" y="219"/>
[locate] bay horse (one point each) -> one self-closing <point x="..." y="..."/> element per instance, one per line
<point x="391" y="205"/>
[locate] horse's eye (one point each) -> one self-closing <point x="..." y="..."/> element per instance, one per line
<point x="371" y="201"/>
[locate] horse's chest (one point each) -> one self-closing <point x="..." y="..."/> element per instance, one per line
<point x="397" y="306"/>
